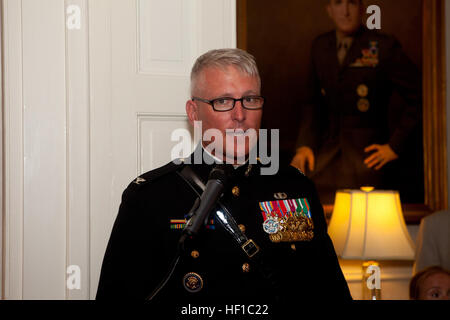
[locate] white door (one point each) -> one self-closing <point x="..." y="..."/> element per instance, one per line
<point x="93" y="89"/>
<point x="141" y="99"/>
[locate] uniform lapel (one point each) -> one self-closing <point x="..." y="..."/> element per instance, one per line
<point x="331" y="52"/>
<point x="355" y="50"/>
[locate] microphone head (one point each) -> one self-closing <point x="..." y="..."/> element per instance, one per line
<point x="221" y="172"/>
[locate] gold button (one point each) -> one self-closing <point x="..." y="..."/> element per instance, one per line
<point x="241" y="227"/>
<point x="363" y="105"/>
<point x="293" y="247"/>
<point x="193" y="282"/>
<point x="235" y="191"/>
<point x="362" y="90"/>
<point x="195" y="254"/>
<point x="246" y="267"/>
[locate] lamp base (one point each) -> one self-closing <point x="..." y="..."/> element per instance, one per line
<point x="371" y="280"/>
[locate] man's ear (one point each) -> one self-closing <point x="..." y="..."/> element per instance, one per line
<point x="191" y="111"/>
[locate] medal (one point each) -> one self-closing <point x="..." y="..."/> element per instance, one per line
<point x="271" y="225"/>
<point x="374" y="48"/>
<point x="287" y="220"/>
<point x="369" y="56"/>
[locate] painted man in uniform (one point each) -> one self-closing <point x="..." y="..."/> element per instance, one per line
<point x="295" y="263"/>
<point x="346" y="135"/>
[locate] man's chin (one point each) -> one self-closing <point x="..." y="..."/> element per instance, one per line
<point x="235" y="157"/>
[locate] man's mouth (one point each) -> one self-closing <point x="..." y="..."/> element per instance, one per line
<point x="236" y="133"/>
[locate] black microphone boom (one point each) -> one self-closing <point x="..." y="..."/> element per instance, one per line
<point x="213" y="190"/>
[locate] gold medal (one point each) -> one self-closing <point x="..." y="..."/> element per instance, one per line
<point x="290" y="222"/>
<point x="362" y="90"/>
<point x="363" y="105"/>
<point x="293" y="229"/>
<point x="275" y="237"/>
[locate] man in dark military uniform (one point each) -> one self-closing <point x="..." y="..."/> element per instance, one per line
<point x="347" y="132"/>
<point x="280" y="251"/>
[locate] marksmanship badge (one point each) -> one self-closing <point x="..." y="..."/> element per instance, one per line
<point x="271" y="225"/>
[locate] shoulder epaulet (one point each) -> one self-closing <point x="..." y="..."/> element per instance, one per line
<point x="151" y="176"/>
<point x="158" y="172"/>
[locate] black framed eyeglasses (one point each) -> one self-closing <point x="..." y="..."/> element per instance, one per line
<point x="228" y="103"/>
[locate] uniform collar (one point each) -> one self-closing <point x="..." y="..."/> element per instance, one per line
<point x="217" y="160"/>
<point x="203" y="169"/>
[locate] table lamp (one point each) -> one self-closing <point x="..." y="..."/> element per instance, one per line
<point x="368" y="224"/>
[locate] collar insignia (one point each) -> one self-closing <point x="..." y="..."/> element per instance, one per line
<point x="280" y="195"/>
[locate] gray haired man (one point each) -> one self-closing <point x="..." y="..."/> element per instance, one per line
<point x="264" y="241"/>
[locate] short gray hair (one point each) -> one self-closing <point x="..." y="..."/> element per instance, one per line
<point x="223" y="58"/>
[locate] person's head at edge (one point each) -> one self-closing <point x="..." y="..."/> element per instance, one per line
<point x="346" y="15"/>
<point x="432" y="283"/>
<point x="225" y="73"/>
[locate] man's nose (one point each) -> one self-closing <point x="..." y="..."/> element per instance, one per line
<point x="346" y="9"/>
<point x="239" y="112"/>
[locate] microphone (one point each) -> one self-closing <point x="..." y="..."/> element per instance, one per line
<point x="213" y="190"/>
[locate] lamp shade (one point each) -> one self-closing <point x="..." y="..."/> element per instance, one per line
<point x="369" y="225"/>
